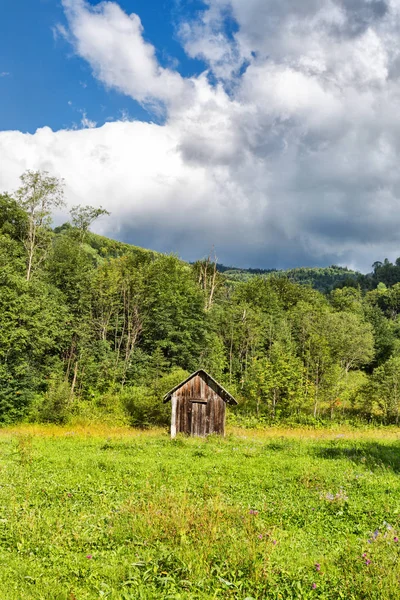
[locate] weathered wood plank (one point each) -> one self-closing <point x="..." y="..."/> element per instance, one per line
<point x="199" y="409"/>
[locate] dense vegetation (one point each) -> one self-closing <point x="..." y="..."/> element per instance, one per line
<point x="323" y="279"/>
<point x="265" y="516"/>
<point x="90" y="326"/>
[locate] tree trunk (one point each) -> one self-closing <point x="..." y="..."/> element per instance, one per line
<point x="71" y="397"/>
<point x="274" y="403"/>
<point x="316" y="393"/>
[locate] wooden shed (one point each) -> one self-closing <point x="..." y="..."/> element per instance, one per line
<point x="198" y="405"/>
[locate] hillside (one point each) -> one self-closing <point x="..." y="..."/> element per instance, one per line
<point x="106" y="247"/>
<point x="98" y="328"/>
<point x="323" y="279"/>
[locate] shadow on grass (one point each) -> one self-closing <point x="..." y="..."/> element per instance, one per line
<point x="372" y="455"/>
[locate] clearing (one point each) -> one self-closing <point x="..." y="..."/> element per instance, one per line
<point x="89" y="513"/>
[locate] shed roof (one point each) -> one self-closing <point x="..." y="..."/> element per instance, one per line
<point x="226" y="396"/>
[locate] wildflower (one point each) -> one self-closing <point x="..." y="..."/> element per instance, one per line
<point x="369" y="541"/>
<point x="376" y="533"/>
<point x="396" y="539"/>
<point x="89" y="556"/>
<point x="364" y="555"/>
<point x="260" y="536"/>
<point x="314" y="585"/>
<point x="317" y="567"/>
<point x="367" y="562"/>
<point x="274" y="542"/>
<point x="253" y="512"/>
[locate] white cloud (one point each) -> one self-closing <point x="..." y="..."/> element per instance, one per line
<point x="132" y="168"/>
<point x="87" y="123"/>
<point x="291" y="156"/>
<point x="113" y="44"/>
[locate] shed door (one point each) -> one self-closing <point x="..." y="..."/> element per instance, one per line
<point x="199" y="418"/>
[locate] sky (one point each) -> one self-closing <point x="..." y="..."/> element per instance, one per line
<point x="267" y="130"/>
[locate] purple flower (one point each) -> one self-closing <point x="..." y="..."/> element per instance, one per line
<point x="253" y="512"/>
<point x="376" y="533"/>
<point x="89" y="556"/>
<point x="314" y="585"/>
<point x="260" y="536"/>
<point x="274" y="542"/>
<point x="367" y="562"/>
<point x="317" y="567"/>
<point x="369" y="541"/>
<point x="395" y="539"/>
<point x="364" y="555"/>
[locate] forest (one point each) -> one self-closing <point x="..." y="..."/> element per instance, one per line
<point x="98" y="329"/>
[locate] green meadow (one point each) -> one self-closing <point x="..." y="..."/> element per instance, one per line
<point x="122" y="514"/>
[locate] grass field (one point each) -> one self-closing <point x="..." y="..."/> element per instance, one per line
<point x="119" y="514"/>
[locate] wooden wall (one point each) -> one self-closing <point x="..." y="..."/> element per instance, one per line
<point x="199" y="410"/>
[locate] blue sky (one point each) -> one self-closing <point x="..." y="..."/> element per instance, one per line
<point x="266" y="129"/>
<point x="47" y="84"/>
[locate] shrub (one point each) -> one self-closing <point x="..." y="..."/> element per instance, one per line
<point x="52" y="407"/>
<point x="144" y="407"/>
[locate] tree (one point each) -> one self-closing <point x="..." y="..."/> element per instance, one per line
<point x="384" y="389"/>
<point x="13" y="219"/>
<point x="351" y="340"/>
<point x="38" y="195"/>
<point x="209" y="279"/>
<point x="309" y="326"/>
<point x="276" y="384"/>
<point x="33" y="333"/>
<point x="71" y="268"/>
<point x="174" y="316"/>
<point x="118" y="309"/>
<point x="83" y="216"/>
<point x="347" y="299"/>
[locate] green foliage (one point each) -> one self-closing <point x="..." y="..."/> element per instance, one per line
<point x="13" y="219"/>
<point x="145" y="405"/>
<point x="83" y="217"/>
<point x="39" y="194"/>
<point x="275" y="385"/>
<point x="84" y="318"/>
<point x="382" y="393"/>
<point x="33" y="332"/>
<point x="323" y="279"/>
<point x="174" y="317"/>
<point x="52" y="407"/>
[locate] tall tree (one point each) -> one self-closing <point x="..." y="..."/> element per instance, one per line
<point x="84" y="216"/>
<point x="209" y="279"/>
<point x="38" y="195"/>
<point x="351" y="340"/>
<point x="384" y="389"/>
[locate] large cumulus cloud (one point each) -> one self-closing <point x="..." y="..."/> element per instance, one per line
<point x="284" y="152"/>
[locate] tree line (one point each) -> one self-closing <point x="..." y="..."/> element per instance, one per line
<point x="90" y="326"/>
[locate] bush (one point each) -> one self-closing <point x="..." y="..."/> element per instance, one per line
<point x="106" y="408"/>
<point x="145" y="404"/>
<point x="144" y="407"/>
<point x="53" y="406"/>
